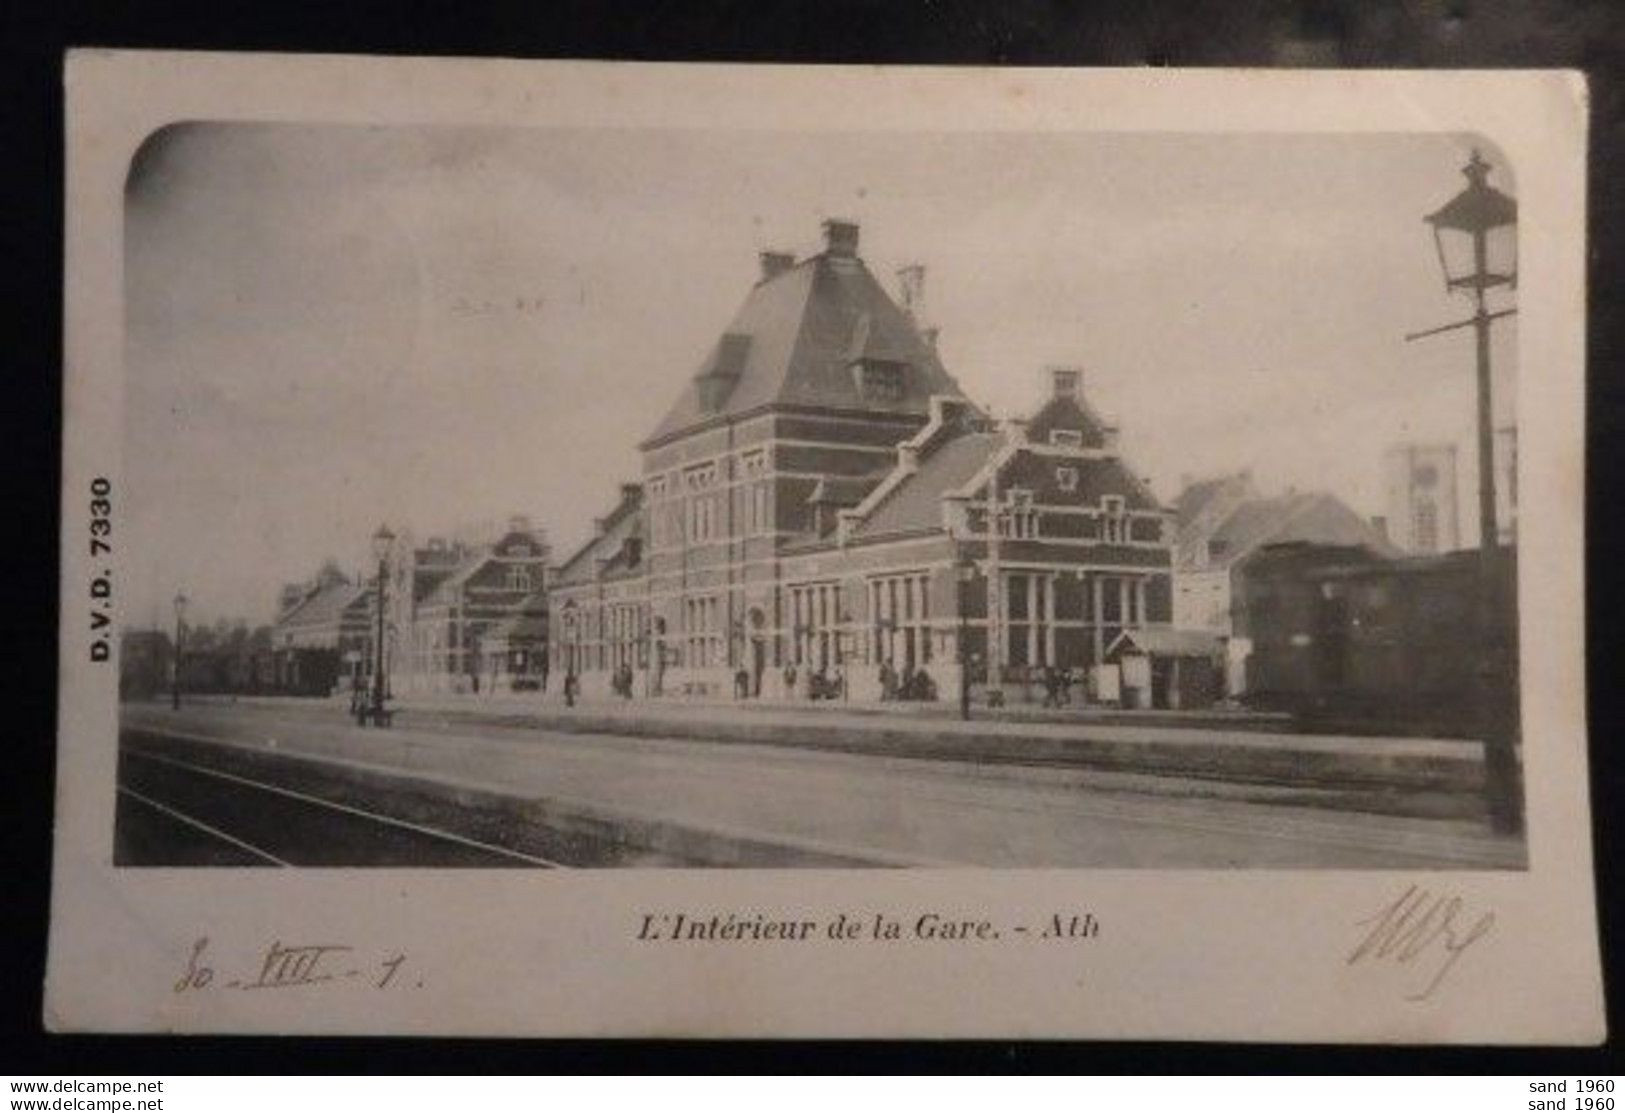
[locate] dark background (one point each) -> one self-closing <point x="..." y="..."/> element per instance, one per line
<point x="1315" y="33"/>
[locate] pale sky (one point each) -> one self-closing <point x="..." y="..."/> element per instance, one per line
<point x="331" y="327"/>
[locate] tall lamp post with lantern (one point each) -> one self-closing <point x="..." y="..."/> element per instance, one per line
<point x="1475" y="234"/>
<point x="180" y="634"/>
<point x="382" y="542"/>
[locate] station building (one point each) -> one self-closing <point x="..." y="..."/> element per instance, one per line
<point x="466" y="616"/>
<point x="822" y="498"/>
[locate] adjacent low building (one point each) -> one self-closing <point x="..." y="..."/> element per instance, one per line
<point x="822" y="506"/>
<point x="322" y="636"/>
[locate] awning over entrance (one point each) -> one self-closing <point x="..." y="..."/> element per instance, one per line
<point x="1162" y="641"/>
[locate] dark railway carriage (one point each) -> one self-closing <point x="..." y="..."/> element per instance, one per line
<point x="1340" y="634"/>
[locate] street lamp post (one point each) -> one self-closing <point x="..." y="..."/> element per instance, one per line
<point x="382" y="542"/>
<point x="180" y="633"/>
<point x="1475" y="234"/>
<point x="966" y="569"/>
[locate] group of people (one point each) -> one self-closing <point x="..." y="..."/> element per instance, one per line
<point x="910" y="684"/>
<point x="822" y="684"/>
<point x="1057" y="686"/>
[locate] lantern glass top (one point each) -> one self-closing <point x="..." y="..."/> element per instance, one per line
<point x="967" y="570"/>
<point x="382" y="541"/>
<point x="180" y="605"/>
<point x="1475" y="233"/>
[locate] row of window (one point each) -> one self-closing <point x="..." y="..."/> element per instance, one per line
<point x="1019" y="520"/>
<point x="752" y="464"/>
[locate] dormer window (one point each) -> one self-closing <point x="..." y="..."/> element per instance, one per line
<point x="1066" y="479"/>
<point x="881" y="380"/>
<point x="518" y="579"/>
<point x="1066" y="438"/>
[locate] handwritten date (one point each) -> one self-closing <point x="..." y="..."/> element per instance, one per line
<point x="285" y="967"/>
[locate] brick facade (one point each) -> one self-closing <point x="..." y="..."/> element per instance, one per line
<point x="806" y="509"/>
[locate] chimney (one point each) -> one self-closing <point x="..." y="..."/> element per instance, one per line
<point x="911" y="288"/>
<point x="841" y="238"/>
<point x="930" y="335"/>
<point x="1066" y="382"/>
<point x="1379" y="522"/>
<point x="518" y="523"/>
<point x="775" y="263"/>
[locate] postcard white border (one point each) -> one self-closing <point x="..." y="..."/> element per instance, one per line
<point x="1243" y="955"/>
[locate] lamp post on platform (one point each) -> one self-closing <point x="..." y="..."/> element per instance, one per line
<point x="180" y="634"/>
<point x="1475" y="234"/>
<point x="382" y="542"/>
<point x="966" y="575"/>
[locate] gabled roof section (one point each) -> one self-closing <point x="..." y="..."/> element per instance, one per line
<point x="916" y="502"/>
<point x="1070" y="412"/>
<point x="1203" y="506"/>
<point x="608" y="542"/>
<point x="794" y="342"/>
<point x="325" y="606"/>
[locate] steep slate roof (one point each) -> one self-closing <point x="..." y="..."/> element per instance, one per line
<point x="806" y="326"/>
<point x="324" y="607"/>
<point x="844" y="490"/>
<point x="916" y="503"/>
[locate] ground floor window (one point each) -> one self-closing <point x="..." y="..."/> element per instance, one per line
<point x="702" y="626"/>
<point x="815" y="619"/>
<point x="624" y="635"/>
<point x="901" y="609"/>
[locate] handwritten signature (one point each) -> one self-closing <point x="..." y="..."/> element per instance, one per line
<point x="283" y="967"/>
<point x="1415" y="930"/>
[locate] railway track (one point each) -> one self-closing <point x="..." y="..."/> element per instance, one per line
<point x="199" y="814"/>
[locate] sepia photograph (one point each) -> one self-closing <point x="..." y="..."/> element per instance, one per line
<point x="589" y="498"/>
<point x="582" y="549"/>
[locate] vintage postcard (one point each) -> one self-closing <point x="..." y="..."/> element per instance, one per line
<point x="672" y="550"/>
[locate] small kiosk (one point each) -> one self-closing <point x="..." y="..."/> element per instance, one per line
<point x="1173" y="669"/>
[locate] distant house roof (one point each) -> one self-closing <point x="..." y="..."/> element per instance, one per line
<point x="794" y="342"/>
<point x="1242" y="525"/>
<point x="1197" y="496"/>
<point x="1162" y="641"/>
<point x="324" y="607"/>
